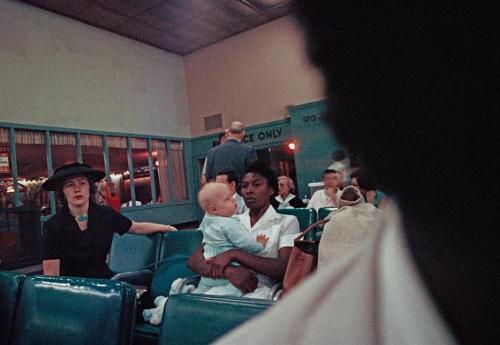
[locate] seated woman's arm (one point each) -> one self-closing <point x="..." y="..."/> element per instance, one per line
<point x="197" y="263"/>
<point x="239" y="276"/>
<point x="272" y="267"/>
<point x="144" y="228"/>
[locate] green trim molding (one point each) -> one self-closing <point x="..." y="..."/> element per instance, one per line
<point x="314" y="140"/>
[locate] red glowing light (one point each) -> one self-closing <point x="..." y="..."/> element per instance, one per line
<point x="291" y="146"/>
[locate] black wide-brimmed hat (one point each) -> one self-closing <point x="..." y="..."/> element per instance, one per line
<point x="55" y="182"/>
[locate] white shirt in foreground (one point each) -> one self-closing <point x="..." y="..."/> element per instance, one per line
<point x="372" y="296"/>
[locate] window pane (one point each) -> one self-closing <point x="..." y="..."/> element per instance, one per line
<point x="6" y="190"/>
<point x="118" y="168"/>
<point x="63" y="147"/>
<point x="161" y="171"/>
<point x="179" y="177"/>
<point x="142" y="177"/>
<point x="92" y="151"/>
<point x="32" y="168"/>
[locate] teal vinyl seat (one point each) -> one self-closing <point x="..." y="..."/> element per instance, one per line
<point x="182" y="242"/>
<point x="134" y="257"/>
<point x="73" y="311"/>
<point x="305" y="216"/>
<point x="168" y="271"/>
<point x="176" y="248"/>
<point x="192" y="319"/>
<point x="323" y="212"/>
<point x="10" y="289"/>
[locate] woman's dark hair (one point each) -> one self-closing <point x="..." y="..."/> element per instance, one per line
<point x="365" y="180"/>
<point x="231" y="176"/>
<point x="266" y="172"/>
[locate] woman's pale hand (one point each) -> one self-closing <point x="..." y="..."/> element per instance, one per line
<point x="170" y="228"/>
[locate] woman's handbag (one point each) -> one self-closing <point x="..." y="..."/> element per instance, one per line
<point x="303" y="259"/>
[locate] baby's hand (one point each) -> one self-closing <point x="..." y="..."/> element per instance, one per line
<point x="262" y="239"/>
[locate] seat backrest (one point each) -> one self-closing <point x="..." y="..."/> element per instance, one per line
<point x="305" y="216"/>
<point x="169" y="270"/>
<point x="10" y="288"/>
<point x="325" y="211"/>
<point x="131" y="252"/>
<point x="192" y="319"/>
<point x="76" y="311"/>
<point x="182" y="242"/>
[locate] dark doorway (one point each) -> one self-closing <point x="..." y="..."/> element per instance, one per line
<point x="281" y="159"/>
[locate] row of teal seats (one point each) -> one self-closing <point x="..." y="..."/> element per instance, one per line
<point x="308" y="216"/>
<point x="164" y="256"/>
<point x="43" y="310"/>
<point x="135" y="258"/>
<point x="199" y="318"/>
<point x="192" y="319"/>
<point x="171" y="263"/>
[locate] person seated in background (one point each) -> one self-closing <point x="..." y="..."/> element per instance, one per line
<point x="285" y="198"/>
<point x="222" y="232"/>
<point x="106" y="195"/>
<point x="341" y="164"/>
<point x="327" y="197"/>
<point x="231" y="180"/>
<point x="348" y="226"/>
<point x="257" y="273"/>
<point x="78" y="237"/>
<point x="366" y="185"/>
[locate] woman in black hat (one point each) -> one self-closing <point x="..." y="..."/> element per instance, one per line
<point x="78" y="238"/>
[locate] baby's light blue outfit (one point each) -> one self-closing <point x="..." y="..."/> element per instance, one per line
<point x="221" y="234"/>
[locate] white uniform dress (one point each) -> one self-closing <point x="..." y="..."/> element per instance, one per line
<point x="281" y="230"/>
<point x="240" y="204"/>
<point x="221" y="234"/>
<point x="373" y="296"/>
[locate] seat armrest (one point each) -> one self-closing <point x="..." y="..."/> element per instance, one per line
<point x="142" y="277"/>
<point x="276" y="292"/>
<point x="179" y="288"/>
<point x="193" y="319"/>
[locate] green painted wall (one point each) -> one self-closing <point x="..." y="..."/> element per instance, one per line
<point x="262" y="135"/>
<point x="315" y="142"/>
<point x="306" y="127"/>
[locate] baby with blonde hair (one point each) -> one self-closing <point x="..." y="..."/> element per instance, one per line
<point x="223" y="232"/>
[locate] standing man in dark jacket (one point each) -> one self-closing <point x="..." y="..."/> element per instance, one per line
<point x="232" y="154"/>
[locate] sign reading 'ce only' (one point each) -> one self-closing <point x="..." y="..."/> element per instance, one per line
<point x="264" y="135"/>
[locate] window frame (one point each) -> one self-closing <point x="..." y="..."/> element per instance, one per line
<point x="11" y="127"/>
